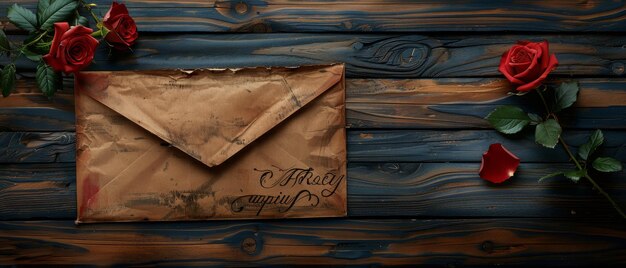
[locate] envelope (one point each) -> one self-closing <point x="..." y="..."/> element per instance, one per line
<point x="205" y="144"/>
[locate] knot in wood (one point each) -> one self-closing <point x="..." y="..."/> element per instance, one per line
<point x="617" y="68"/>
<point x="248" y="245"/>
<point x="241" y="8"/>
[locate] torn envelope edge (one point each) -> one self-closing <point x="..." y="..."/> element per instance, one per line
<point x="302" y="92"/>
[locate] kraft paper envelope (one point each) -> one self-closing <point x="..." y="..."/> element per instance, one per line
<point x="211" y="144"/>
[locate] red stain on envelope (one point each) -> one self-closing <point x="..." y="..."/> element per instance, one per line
<point x="90" y="189"/>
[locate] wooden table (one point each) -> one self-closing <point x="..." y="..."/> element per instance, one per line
<point x="421" y="76"/>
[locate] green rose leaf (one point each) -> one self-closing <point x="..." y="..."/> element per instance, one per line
<point x="551" y="175"/>
<point x="575" y="175"/>
<point x="47" y="79"/>
<point x="4" y="42"/>
<point x="22" y="18"/>
<point x="508" y="119"/>
<point x="7" y="79"/>
<point x="547" y="133"/>
<point x="565" y="95"/>
<point x="56" y="11"/>
<point x="535" y="119"/>
<point x="42" y="5"/>
<point x="595" y="140"/>
<point x="31" y="55"/>
<point x="607" y="164"/>
<point x="80" y="20"/>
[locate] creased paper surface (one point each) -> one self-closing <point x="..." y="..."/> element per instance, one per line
<point x="209" y="144"/>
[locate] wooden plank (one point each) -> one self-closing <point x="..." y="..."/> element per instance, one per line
<point x="369" y="16"/>
<point x="366" y="56"/>
<point x="38" y="191"/>
<point x="48" y="191"/>
<point x="465" y="145"/>
<point x="374" y="103"/>
<point x="37" y="147"/>
<point x="363" y="146"/>
<point x="444" y="242"/>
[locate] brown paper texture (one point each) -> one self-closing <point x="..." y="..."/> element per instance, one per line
<point x="211" y="144"/>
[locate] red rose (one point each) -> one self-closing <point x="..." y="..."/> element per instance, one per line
<point x="527" y="64"/>
<point x="122" y="28"/>
<point x="498" y="164"/>
<point x="72" y="49"/>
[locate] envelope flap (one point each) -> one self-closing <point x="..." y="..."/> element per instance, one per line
<point x="209" y="114"/>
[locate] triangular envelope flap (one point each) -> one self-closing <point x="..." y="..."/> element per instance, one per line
<point x="209" y="114"/>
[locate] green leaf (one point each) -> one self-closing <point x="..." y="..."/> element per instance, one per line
<point x="7" y="79"/>
<point x="535" y="118"/>
<point x="595" y="140"/>
<point x="58" y="10"/>
<point x="607" y="164"/>
<point x="547" y="133"/>
<point x="4" y="42"/>
<point x="550" y="176"/>
<point x="565" y="95"/>
<point x="22" y="18"/>
<point x="575" y="175"/>
<point x="508" y="119"/>
<point x="31" y="55"/>
<point x="47" y="79"/>
<point x="80" y="20"/>
<point x="42" y="5"/>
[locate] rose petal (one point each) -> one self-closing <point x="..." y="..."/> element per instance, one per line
<point x="122" y="28"/>
<point x="115" y="10"/>
<point x="498" y="164"/>
<point x="545" y="57"/>
<point x="503" y="69"/>
<point x="552" y="64"/>
<point x="533" y="70"/>
<point x="59" y="30"/>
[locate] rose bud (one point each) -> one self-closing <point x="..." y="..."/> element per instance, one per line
<point x="527" y="64"/>
<point x="72" y="49"/>
<point x="498" y="164"/>
<point x="122" y="28"/>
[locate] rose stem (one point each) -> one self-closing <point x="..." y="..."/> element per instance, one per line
<point x="573" y="158"/>
<point x="90" y="11"/>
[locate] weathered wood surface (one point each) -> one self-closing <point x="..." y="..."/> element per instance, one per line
<point x="48" y="191"/>
<point x="444" y="243"/>
<point x="427" y="171"/>
<point x="363" y="146"/>
<point x="374" y="103"/>
<point x="366" y="56"/>
<point x="368" y="16"/>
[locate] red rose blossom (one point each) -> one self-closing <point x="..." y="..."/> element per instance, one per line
<point x="527" y="64"/>
<point x="72" y="49"/>
<point x="122" y="28"/>
<point x="498" y="164"/>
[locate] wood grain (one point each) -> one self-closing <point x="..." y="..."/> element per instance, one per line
<point x="366" y="56"/>
<point x="368" y="16"/>
<point x="442" y="103"/>
<point x="363" y="146"/>
<point x="38" y="191"/>
<point x="36" y="147"/>
<point x="444" y="243"/>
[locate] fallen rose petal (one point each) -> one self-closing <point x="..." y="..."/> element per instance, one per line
<point x="498" y="164"/>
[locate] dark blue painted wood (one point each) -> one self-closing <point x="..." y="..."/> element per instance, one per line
<point x="370" y="16"/>
<point x="368" y="56"/>
<point x="363" y="146"/>
<point x="371" y="242"/>
<point x="48" y="191"/>
<point x="442" y="103"/>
